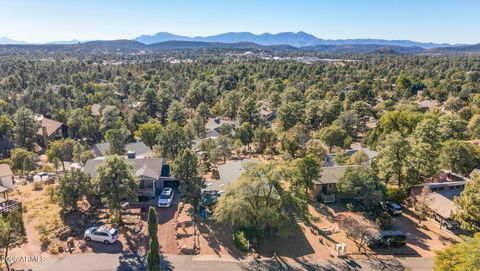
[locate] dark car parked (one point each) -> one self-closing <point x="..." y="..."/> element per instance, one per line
<point x="448" y="224"/>
<point x="391" y="207"/>
<point x="388" y="239"/>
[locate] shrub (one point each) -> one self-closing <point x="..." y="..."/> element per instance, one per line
<point x="51" y="193"/>
<point x="47" y="168"/>
<point x="37" y="186"/>
<point x="241" y="241"/>
<point x="396" y="194"/>
<point x="384" y="221"/>
<point x="44" y="241"/>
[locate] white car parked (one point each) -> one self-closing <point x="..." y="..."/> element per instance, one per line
<point x="166" y="198"/>
<point x="103" y="234"/>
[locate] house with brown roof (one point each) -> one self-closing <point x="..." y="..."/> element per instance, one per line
<point x="50" y="129"/>
<point x="440" y="194"/>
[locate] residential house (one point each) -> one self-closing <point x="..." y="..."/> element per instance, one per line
<point x="97" y="109"/>
<point x="50" y="129"/>
<point x="429" y="105"/>
<point x="325" y="188"/>
<point x="228" y="174"/>
<point x="330" y="158"/>
<point x="213" y="126"/>
<point x="153" y="174"/>
<point x="266" y="113"/>
<point x="139" y="148"/>
<point x="441" y="193"/>
<point x="6" y="177"/>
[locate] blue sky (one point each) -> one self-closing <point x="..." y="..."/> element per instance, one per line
<point x="453" y="21"/>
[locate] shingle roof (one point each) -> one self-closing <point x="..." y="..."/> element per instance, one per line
<point x="149" y="167"/>
<point x="332" y="174"/>
<point x="442" y="201"/>
<point x="215" y="123"/>
<point x="5" y="170"/>
<point x="51" y="125"/>
<point x="140" y="149"/>
<point x="229" y="173"/>
<point x="3" y="189"/>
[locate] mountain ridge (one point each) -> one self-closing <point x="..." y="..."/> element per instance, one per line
<point x="297" y="39"/>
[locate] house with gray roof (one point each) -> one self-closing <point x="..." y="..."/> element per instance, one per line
<point x="325" y="188"/>
<point x="213" y="126"/>
<point x="229" y="174"/>
<point x="330" y="158"/>
<point x="6" y="178"/>
<point x="139" y="148"/>
<point x="153" y="174"/>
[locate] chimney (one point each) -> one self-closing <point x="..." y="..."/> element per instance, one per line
<point x="131" y="154"/>
<point x="45" y="135"/>
<point x="217" y="120"/>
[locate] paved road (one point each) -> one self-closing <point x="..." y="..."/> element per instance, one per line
<point x="122" y="262"/>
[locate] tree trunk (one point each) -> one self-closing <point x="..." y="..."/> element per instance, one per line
<point x="6" y="257"/>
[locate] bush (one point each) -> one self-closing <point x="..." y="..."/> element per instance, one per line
<point x="37" y="186"/>
<point x="396" y="194"/>
<point x="44" y="242"/>
<point x="47" y="168"/>
<point x="241" y="241"/>
<point x="384" y="221"/>
<point x="50" y="191"/>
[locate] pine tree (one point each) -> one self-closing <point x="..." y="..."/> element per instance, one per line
<point x="153" y="256"/>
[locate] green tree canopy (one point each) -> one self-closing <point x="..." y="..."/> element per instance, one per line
<point x="364" y="185"/>
<point x="149" y="132"/>
<point x="459" y="257"/>
<point x="185" y="170"/>
<point x="116" y="183"/>
<point x="25" y="128"/>
<point x="468" y="206"/>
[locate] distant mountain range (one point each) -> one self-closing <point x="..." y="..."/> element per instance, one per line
<point x="298" y="39"/>
<point x="5" y="40"/>
<point x="286" y="41"/>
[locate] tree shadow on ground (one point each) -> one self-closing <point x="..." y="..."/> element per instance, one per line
<point x="379" y="263"/>
<point x="278" y="264"/>
<point x="166" y="265"/>
<point x="293" y="246"/>
<point x="218" y="236"/>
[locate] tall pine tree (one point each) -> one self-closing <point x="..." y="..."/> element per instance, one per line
<point x="153" y="256"/>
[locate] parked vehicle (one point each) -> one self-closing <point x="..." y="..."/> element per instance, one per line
<point x="448" y="224"/>
<point x="103" y="234"/>
<point x="388" y="239"/>
<point x="166" y="198"/>
<point x="391" y="207"/>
